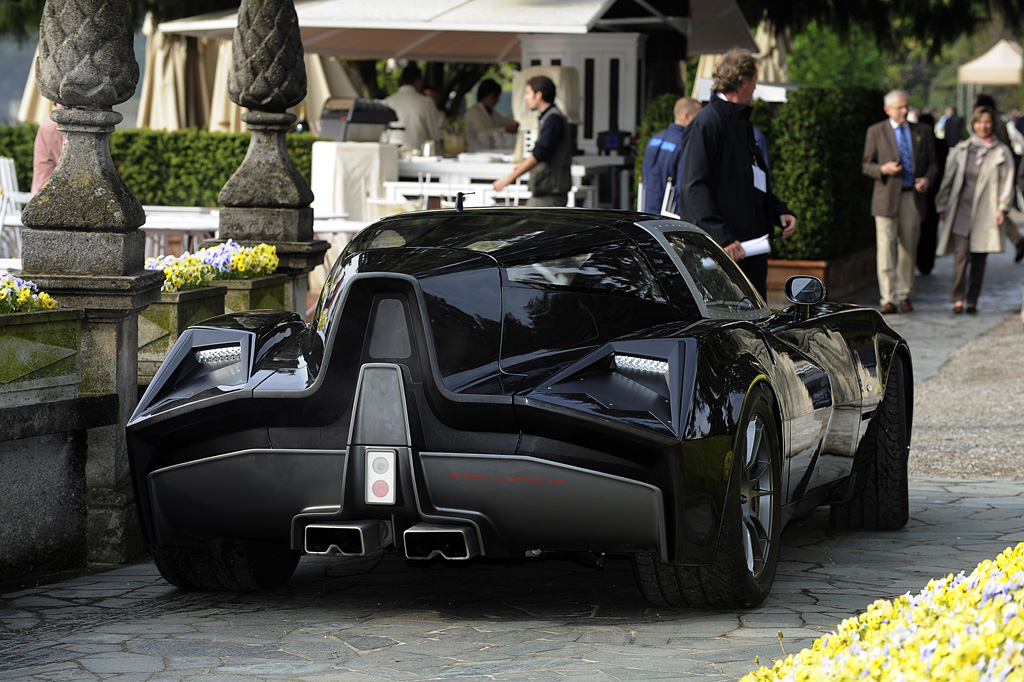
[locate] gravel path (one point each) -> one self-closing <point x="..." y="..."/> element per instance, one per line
<point x="969" y="418"/>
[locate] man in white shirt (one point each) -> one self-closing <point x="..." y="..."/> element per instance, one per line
<point x="417" y="115"/>
<point x="482" y="121"/>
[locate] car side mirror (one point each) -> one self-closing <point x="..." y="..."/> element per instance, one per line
<point x="805" y="290"/>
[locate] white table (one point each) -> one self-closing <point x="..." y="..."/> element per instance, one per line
<point x="193" y="224"/>
<point x="440" y="176"/>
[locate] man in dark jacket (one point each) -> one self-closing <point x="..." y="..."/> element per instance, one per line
<point x="725" y="185"/>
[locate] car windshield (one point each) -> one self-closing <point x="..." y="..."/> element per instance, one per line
<point x="717" y="283"/>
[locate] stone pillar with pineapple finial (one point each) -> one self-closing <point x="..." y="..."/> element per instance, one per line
<point x="83" y="245"/>
<point x="267" y="199"/>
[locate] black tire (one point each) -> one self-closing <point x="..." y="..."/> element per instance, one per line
<point x="881" y="501"/>
<point x="226" y="565"/>
<point x="748" y="545"/>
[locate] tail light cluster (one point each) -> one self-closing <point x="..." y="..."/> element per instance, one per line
<point x="380" y="476"/>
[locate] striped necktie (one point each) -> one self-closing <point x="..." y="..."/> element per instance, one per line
<point x="906" y="158"/>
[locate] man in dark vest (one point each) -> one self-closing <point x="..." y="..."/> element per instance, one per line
<point x="550" y="161"/>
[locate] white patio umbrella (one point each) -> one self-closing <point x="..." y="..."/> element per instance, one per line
<point x="772" y="50"/>
<point x="176" y="82"/>
<point x="325" y="78"/>
<point x="34" y="108"/>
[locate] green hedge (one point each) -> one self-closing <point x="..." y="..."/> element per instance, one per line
<point x="17" y="142"/>
<point x="162" y="168"/>
<point x="816" y="142"/>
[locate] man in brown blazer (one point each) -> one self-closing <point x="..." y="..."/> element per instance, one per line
<point x="900" y="157"/>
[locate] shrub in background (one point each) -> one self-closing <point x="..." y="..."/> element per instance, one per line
<point x="816" y="143"/>
<point x="165" y="168"/>
<point x="17" y="142"/>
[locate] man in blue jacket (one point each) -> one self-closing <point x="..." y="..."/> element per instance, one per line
<point x="661" y="158"/>
<point x="725" y="185"/>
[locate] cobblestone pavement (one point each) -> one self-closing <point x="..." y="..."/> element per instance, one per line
<point x="543" y="619"/>
<point x="932" y="330"/>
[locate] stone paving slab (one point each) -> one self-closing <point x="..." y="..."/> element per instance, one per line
<point x="932" y="330"/>
<point x="545" y="619"/>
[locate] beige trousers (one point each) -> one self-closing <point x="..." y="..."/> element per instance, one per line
<point x="897" y="238"/>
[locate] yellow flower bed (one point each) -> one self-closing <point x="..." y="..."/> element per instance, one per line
<point x="21" y="296"/>
<point x="962" y="628"/>
<point x="181" y="274"/>
<point x="224" y="261"/>
<point x="257" y="261"/>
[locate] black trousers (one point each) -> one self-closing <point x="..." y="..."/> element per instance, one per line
<point x="756" y="269"/>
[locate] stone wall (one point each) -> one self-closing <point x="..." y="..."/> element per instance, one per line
<point x="44" y="499"/>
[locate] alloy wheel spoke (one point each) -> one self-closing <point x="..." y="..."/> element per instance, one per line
<point x="754" y="435"/>
<point x="756" y="543"/>
<point x="748" y="547"/>
<point x="759" y="470"/>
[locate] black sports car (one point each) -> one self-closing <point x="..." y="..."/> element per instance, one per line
<point x="510" y="382"/>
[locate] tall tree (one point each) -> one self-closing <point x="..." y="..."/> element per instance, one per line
<point x="20" y="18"/>
<point x="934" y="23"/>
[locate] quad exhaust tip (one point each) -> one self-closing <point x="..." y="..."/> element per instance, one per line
<point x="357" y="538"/>
<point x="427" y="540"/>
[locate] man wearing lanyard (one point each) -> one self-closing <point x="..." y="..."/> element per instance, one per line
<point x="550" y="163"/>
<point x="900" y="157"/>
<point x="725" y="185"/>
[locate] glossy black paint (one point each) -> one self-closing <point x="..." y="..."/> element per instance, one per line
<point x="503" y="325"/>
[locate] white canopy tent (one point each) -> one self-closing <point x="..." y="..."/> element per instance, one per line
<point x="1001" y="65"/>
<point x="772" y="72"/>
<point x="483" y="31"/>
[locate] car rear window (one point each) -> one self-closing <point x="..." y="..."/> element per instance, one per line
<point x="612" y="269"/>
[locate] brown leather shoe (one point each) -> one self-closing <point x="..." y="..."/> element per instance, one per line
<point x="906" y="306"/>
<point x="888" y="309"/>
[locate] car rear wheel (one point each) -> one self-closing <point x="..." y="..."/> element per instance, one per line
<point x="748" y="546"/>
<point x="882" y="502"/>
<point x="230" y="565"/>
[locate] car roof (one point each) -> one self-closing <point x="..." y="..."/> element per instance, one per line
<point x="505" y="233"/>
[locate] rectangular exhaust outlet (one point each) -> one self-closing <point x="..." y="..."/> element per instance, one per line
<point x="427" y="540"/>
<point x="351" y="539"/>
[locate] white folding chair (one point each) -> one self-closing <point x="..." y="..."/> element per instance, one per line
<point x="11" y="203"/>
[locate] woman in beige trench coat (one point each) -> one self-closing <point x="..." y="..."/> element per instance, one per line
<point x="973" y="200"/>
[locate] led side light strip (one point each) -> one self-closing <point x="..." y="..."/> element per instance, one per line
<point x="635" y="363"/>
<point x="225" y="355"/>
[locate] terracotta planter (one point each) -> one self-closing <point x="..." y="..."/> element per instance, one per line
<point x="842" y="276"/>
<point x="40" y="359"/>
<point x="261" y="293"/>
<point x="161" y="323"/>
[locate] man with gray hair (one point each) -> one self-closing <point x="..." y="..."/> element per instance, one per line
<point x="724" y="184"/>
<point x="900" y="157"/>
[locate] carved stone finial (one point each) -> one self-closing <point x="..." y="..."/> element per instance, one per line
<point x="268" y="75"/>
<point x="267" y="68"/>
<point x="85" y="218"/>
<point x="86" y="53"/>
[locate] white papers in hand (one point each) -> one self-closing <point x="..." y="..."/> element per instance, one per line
<point x="756" y="247"/>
